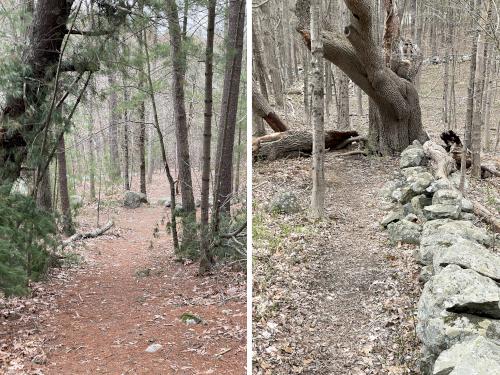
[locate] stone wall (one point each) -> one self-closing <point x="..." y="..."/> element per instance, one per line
<point x="458" y="314"/>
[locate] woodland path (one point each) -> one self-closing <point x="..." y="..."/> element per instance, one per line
<point x="336" y="298"/>
<point x="130" y="293"/>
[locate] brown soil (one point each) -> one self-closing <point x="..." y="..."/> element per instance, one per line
<point x="128" y="294"/>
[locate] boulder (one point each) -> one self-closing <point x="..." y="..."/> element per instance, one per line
<point x="404" y="231"/>
<point x="419" y="202"/>
<point x="389" y="188"/>
<point x="425" y="274"/>
<point x="460" y="291"/>
<point x="133" y="199"/>
<point x="471" y="255"/>
<point x="441" y="211"/>
<point x="478" y="356"/>
<point x="403" y="194"/>
<point x="467" y="205"/>
<point x="430" y="245"/>
<point x="285" y="203"/>
<point x="75" y="201"/>
<point x="392" y="217"/>
<point x="459" y="228"/>
<point x="420" y="182"/>
<point x="164" y="202"/>
<point x="468" y="216"/>
<point x="457" y="304"/>
<point x="438" y="185"/>
<point x="447" y="197"/>
<point x="413" y="156"/>
<point x="20" y="187"/>
<point x="412" y="171"/>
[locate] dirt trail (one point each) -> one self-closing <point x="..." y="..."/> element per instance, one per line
<point x="130" y="293"/>
<point x="332" y="297"/>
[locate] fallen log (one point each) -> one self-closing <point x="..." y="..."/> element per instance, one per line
<point x="442" y="165"/>
<point x="297" y="143"/>
<point x="91" y="234"/>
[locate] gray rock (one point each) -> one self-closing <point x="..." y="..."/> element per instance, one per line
<point x="425" y="274"/>
<point x="438" y="185"/>
<point x="75" y="201"/>
<point x="468" y="216"/>
<point x="285" y="203"/>
<point x="461" y="291"/>
<point x="459" y="228"/>
<point x="133" y="199"/>
<point x="467" y="205"/>
<point x="164" y="202"/>
<point x="392" y="217"/>
<point x="413" y="156"/>
<point x="441" y="211"/>
<point x="432" y="244"/>
<point x="153" y="348"/>
<point x="404" y="231"/>
<point x="389" y="188"/>
<point x="420" y="182"/>
<point x="442" y="332"/>
<point x="447" y="197"/>
<point x="419" y="202"/>
<point x="411" y="217"/>
<point x="20" y="187"/>
<point x="455" y="180"/>
<point x="478" y="356"/>
<point x="412" y="172"/>
<point x="471" y="255"/>
<point x="403" y="194"/>
<point x="456" y="304"/>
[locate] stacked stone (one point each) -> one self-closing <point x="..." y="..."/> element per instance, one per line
<point x="459" y="310"/>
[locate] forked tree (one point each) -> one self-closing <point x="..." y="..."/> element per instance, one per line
<point x="395" y="117"/>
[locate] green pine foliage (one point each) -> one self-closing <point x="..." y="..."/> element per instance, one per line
<point x="27" y="236"/>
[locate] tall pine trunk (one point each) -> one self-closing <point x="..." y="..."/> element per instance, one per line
<point x="229" y="110"/>
<point x="67" y="221"/>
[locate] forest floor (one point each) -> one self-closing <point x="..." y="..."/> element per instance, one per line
<point x="125" y="294"/>
<point x="334" y="296"/>
<point x="331" y="296"/>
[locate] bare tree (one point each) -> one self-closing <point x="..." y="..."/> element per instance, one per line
<point x="67" y="222"/>
<point x="395" y="117"/>
<point x="317" y="114"/>
<point x="207" y="260"/>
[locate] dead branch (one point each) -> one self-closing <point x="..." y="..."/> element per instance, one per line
<point x="91" y="234"/>
<point x="489" y="217"/>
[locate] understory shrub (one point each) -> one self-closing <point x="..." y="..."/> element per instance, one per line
<point x="27" y="236"/>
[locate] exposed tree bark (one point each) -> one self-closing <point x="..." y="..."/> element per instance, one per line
<point x="229" y="110"/>
<point x="44" y="196"/>
<point x="47" y="32"/>
<point x="141" y="141"/>
<point x="114" y="159"/>
<point x="181" y="130"/>
<point x="207" y="259"/>
<point x="295" y="143"/>
<point x="67" y="222"/>
<point x="260" y="69"/>
<point x="395" y="110"/>
<point x="125" y="145"/>
<point x="262" y="109"/>
<point x="317" y="115"/>
<point x="90" y="234"/>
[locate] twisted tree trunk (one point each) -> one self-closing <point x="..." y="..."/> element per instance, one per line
<point x="395" y="118"/>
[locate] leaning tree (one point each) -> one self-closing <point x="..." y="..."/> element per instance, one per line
<point x="385" y="76"/>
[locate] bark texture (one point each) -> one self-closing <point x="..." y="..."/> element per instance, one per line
<point x="67" y="222"/>
<point x="263" y="109"/>
<point x="229" y="109"/>
<point x="395" y="110"/>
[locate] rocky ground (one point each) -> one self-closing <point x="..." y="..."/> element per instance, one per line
<point x="118" y="309"/>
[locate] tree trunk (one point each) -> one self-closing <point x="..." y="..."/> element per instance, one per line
<point x="262" y="109"/>
<point x="114" y="159"/>
<point x="92" y="164"/>
<point x="207" y="259"/>
<point x="126" y="158"/>
<point x="395" y="117"/>
<point x="181" y="131"/>
<point x="317" y="115"/>
<point x="44" y="196"/>
<point x="41" y="55"/>
<point x="260" y="69"/>
<point x="141" y="141"/>
<point x="343" y="119"/>
<point x="229" y="110"/>
<point x="156" y="124"/>
<point x="67" y="222"/>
